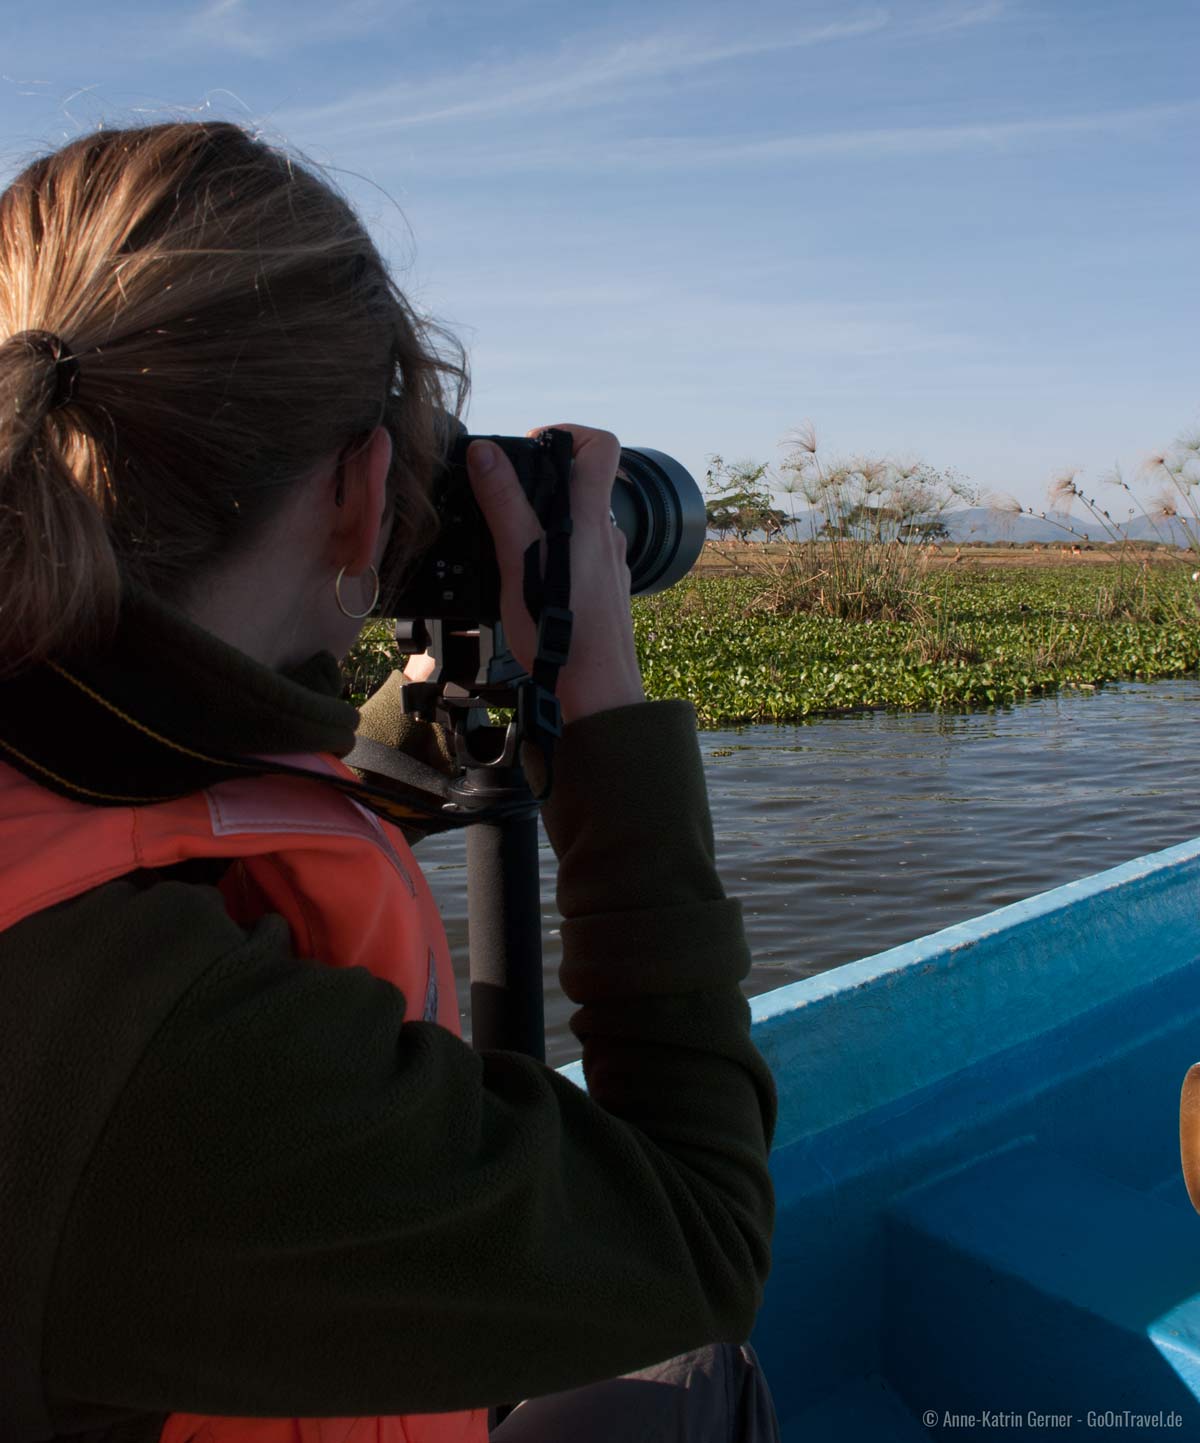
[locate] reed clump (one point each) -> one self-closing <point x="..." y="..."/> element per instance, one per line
<point x="860" y="551"/>
<point x="1145" y="582"/>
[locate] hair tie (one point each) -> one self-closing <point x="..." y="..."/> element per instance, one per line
<point x="66" y="366"/>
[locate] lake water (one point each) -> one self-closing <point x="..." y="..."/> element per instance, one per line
<point x="848" y="835"/>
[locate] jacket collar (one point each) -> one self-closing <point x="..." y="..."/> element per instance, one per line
<point x="164" y="710"/>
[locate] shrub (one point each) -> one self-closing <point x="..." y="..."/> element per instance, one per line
<point x="861" y="550"/>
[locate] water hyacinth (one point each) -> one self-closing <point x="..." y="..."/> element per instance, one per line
<point x="975" y="638"/>
<point x="981" y="638"/>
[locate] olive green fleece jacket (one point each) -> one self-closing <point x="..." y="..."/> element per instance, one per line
<point x="235" y="1181"/>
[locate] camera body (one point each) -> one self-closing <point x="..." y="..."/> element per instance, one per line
<point x="655" y="502"/>
<point x="458" y="576"/>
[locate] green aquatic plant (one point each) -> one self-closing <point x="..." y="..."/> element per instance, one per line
<point x="371" y="661"/>
<point x="977" y="638"/>
<point x="982" y="638"/>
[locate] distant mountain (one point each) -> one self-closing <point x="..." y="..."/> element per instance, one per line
<point x="980" y="524"/>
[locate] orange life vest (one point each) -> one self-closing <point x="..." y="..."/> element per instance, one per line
<point x="347" y="885"/>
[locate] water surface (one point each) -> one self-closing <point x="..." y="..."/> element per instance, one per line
<point x="849" y="835"/>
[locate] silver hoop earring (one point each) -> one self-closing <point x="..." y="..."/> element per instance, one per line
<point x="356" y="615"/>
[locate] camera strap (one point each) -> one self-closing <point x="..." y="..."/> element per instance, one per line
<point x="548" y="600"/>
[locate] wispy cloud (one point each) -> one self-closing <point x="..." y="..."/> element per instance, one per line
<point x="908" y="140"/>
<point x="959" y="16"/>
<point x="651" y="154"/>
<point x="233" y="25"/>
<point x="589" y="69"/>
<point x="19" y="84"/>
<point x="579" y="75"/>
<point x="763" y="329"/>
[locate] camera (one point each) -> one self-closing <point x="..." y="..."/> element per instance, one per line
<point x="655" y="502"/>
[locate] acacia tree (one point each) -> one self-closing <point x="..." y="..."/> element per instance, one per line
<point x="739" y="503"/>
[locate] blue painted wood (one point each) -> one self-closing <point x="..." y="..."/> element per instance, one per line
<point x="977" y="1170"/>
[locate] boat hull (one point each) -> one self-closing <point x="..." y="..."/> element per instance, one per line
<point x="982" y="1221"/>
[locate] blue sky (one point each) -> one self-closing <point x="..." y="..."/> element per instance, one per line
<point x="963" y="231"/>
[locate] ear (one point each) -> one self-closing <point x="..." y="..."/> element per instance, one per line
<point x="360" y="480"/>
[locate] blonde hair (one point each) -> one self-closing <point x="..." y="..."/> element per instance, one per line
<point x="232" y="323"/>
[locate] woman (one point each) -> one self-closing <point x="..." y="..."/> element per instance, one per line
<point x="252" y="1177"/>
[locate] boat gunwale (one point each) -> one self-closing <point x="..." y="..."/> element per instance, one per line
<point x="867" y="1033"/>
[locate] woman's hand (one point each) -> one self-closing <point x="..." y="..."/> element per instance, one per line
<point x="602" y="667"/>
<point x="420" y="666"/>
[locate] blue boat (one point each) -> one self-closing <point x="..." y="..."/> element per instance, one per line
<point x="983" y="1222"/>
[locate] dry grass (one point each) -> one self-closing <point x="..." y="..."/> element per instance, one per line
<point x="729" y="558"/>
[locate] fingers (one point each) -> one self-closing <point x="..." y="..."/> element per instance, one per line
<point x="597" y="455"/>
<point x="602" y="670"/>
<point x="506" y="509"/>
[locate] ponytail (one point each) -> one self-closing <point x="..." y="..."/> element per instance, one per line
<point x="59" y="580"/>
<point x="234" y="324"/>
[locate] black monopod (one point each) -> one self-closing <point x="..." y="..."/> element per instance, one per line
<point x="492" y="797"/>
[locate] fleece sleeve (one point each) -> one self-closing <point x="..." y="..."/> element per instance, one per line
<point x="302" y="1203"/>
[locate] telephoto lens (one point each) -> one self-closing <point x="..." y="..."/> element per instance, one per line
<point x="658" y="506"/>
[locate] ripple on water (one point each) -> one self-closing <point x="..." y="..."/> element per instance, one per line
<point x="849" y="835"/>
